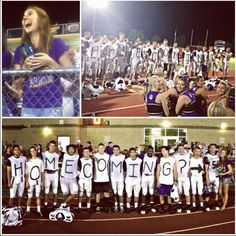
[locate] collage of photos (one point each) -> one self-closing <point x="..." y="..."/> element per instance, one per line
<point x="117" y="117"/>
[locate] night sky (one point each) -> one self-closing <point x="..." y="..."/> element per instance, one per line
<point x="162" y="18"/>
<point x="58" y="11"/>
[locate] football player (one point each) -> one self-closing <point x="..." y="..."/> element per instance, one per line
<point x="34" y="179"/>
<point x="50" y="159"/>
<point x="133" y="177"/>
<point x="211" y="161"/>
<point x="69" y="172"/>
<point x="196" y="168"/>
<point x="187" y="59"/>
<point x="166" y="176"/>
<point x="85" y="168"/>
<point x="16" y="175"/>
<point x="117" y="177"/>
<point x="101" y="177"/>
<point x="148" y="178"/>
<point x="226" y="61"/>
<point x="182" y="158"/>
<point x="120" y="48"/>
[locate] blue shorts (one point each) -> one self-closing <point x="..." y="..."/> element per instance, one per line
<point x="226" y="180"/>
<point x="165" y="189"/>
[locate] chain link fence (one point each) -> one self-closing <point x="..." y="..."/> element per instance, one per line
<point x="46" y="92"/>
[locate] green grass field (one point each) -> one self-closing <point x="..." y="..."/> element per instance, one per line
<point x="232" y="63"/>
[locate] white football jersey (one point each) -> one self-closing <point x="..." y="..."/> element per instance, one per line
<point x="187" y="57"/>
<point x="165" y="49"/>
<point x="149" y="165"/>
<point x="175" y="56"/>
<point x="116" y="166"/>
<point x="133" y="170"/>
<point x="166" y="170"/>
<point x="69" y="167"/>
<point x="17" y="168"/>
<point x="120" y="48"/>
<point x="196" y="166"/>
<point x="34" y="168"/>
<point x="50" y="160"/>
<point x="95" y="50"/>
<point x="85" y="168"/>
<point x="101" y="173"/>
<point x="182" y="164"/>
<point x="212" y="160"/>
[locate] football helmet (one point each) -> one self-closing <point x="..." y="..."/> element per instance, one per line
<point x="174" y="194"/>
<point x="61" y="214"/>
<point x="12" y="216"/>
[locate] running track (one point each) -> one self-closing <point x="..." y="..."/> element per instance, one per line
<point x="213" y="222"/>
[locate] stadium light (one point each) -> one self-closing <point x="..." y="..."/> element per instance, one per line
<point x="47" y="131"/>
<point x="97" y="4"/>
<point x="223" y="126"/>
<point x="166" y="124"/>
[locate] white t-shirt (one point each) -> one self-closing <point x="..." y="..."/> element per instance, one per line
<point x="149" y="165"/>
<point x="182" y="164"/>
<point x="50" y="160"/>
<point x="70" y="166"/>
<point x="101" y="173"/>
<point x="116" y="166"/>
<point x="133" y="170"/>
<point x="17" y="168"/>
<point x="85" y="168"/>
<point x="34" y="168"/>
<point x="166" y="170"/>
<point x="197" y="164"/>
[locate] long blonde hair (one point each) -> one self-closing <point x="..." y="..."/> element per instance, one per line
<point x="44" y="29"/>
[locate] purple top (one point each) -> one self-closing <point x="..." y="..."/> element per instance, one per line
<point x="226" y="169"/>
<point x="43" y="91"/>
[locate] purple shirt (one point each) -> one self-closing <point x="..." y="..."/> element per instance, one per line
<point x="43" y="91"/>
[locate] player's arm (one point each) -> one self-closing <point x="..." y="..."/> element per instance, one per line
<point x="9" y="174"/>
<point x="158" y="174"/>
<point x="206" y="165"/>
<point x="26" y="177"/>
<point x="175" y="173"/>
<point x="42" y="174"/>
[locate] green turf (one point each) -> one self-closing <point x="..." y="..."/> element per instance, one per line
<point x="232" y="63"/>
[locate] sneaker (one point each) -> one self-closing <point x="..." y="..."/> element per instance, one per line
<point x="143" y="212"/>
<point x="179" y="210"/>
<point x="207" y="209"/>
<point x="153" y="209"/>
<point x="217" y="205"/>
<point x="98" y="209"/>
<point x="188" y="209"/>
